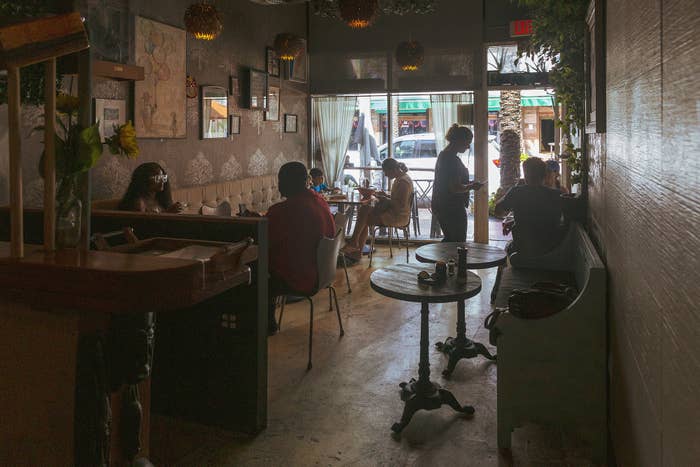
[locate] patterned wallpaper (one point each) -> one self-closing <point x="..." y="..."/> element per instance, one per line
<point x="260" y="148"/>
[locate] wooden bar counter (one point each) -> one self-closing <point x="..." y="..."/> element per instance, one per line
<point x="53" y="304"/>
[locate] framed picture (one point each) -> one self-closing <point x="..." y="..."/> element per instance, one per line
<point x="595" y="68"/>
<point x="108" y="113"/>
<point x="273" y="104"/>
<point x="233" y="87"/>
<point x="290" y="123"/>
<point x="160" y="103"/>
<point x="257" y="90"/>
<point x="214" y="112"/>
<point x="234" y="124"/>
<point x="295" y="70"/>
<point x="273" y="63"/>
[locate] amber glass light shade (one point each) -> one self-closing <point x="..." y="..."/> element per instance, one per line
<point x="410" y="55"/>
<point x="203" y="21"/>
<point x="358" y="14"/>
<point x="288" y="46"/>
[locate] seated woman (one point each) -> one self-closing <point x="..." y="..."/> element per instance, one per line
<point x="149" y="191"/>
<point x="552" y="177"/>
<point x="391" y="210"/>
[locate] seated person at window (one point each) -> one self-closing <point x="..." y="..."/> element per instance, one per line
<point x="536" y="209"/>
<point x="149" y="191"/>
<point x="552" y="177"/>
<point x="317" y="182"/>
<point x="391" y="210"/>
<point x="295" y="227"/>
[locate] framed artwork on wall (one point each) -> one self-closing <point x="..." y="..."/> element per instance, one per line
<point x="273" y="63"/>
<point x="159" y="100"/>
<point x="257" y="90"/>
<point x="290" y="123"/>
<point x="595" y="67"/>
<point x="234" y="124"/>
<point x="109" y="113"/>
<point x="233" y="87"/>
<point x="273" y="104"/>
<point x="214" y="112"/>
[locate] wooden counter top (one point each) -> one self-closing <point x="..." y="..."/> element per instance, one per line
<point x="107" y="281"/>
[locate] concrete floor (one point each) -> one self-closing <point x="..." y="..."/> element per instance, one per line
<point x="340" y="412"/>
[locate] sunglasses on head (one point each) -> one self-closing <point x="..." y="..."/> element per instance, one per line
<point x="159" y="178"/>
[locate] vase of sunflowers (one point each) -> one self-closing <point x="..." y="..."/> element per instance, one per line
<point x="77" y="150"/>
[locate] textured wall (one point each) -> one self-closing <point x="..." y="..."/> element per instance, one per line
<point x="261" y="148"/>
<point x="645" y="206"/>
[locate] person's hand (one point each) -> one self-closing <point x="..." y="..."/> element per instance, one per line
<point x="474" y="185"/>
<point x="381" y="194"/>
<point x="177" y="207"/>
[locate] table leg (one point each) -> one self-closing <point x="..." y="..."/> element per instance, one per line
<point x="457" y="348"/>
<point x="425" y="394"/>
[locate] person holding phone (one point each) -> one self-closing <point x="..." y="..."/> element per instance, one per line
<point x="452" y="186"/>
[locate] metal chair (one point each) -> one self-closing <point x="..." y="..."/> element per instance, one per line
<point x="326" y="261"/>
<point x="406" y="232"/>
<point x="341" y="220"/>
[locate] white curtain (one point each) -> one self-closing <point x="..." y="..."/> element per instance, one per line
<point x="333" y="123"/>
<point x="444" y="113"/>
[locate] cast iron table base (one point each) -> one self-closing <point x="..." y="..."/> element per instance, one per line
<point x="423" y="393"/>
<point x="457" y="348"/>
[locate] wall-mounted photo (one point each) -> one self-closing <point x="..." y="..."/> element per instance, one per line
<point x="214" y="112"/>
<point x="159" y="104"/>
<point x="233" y="90"/>
<point x="109" y="112"/>
<point x="290" y="123"/>
<point x="257" y="90"/>
<point x="273" y="104"/>
<point x="234" y="124"/>
<point x="273" y="63"/>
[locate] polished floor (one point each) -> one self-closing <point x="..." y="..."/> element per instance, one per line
<point x="340" y="412"/>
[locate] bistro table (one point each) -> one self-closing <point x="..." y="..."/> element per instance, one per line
<point x="343" y="201"/>
<point x="479" y="256"/>
<point x="401" y="282"/>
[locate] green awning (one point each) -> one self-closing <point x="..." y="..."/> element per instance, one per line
<point x="525" y="101"/>
<point x="418" y="105"/>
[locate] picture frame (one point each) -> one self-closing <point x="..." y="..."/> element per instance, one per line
<point x="257" y="90"/>
<point x="109" y="112"/>
<point x="213" y="112"/>
<point x="272" y="113"/>
<point x="594" y="67"/>
<point x="272" y="62"/>
<point x="290" y="123"/>
<point x="234" y="124"/>
<point x="233" y="88"/>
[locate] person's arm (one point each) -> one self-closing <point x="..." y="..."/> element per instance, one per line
<point x="455" y="185"/>
<point x="505" y="204"/>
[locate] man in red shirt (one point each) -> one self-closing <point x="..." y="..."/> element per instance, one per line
<point x="295" y="227"/>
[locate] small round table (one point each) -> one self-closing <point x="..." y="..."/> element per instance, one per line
<point x="401" y="282"/>
<point x="479" y="256"/>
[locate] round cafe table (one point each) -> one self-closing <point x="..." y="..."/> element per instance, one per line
<point x="401" y="282"/>
<point x="479" y="256"/>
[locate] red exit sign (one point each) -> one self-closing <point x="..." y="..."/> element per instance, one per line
<point x="521" y="27"/>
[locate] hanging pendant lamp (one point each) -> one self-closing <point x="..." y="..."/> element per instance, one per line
<point x="288" y="46"/>
<point x="410" y="55"/>
<point x="358" y="14"/>
<point x="203" y="21"/>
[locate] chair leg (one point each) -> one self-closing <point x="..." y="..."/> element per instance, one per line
<point x="371" y="245"/>
<point x="311" y="330"/>
<point x="337" y="310"/>
<point x="283" y="301"/>
<point x="405" y="231"/>
<point x="391" y="252"/>
<point x="345" y="267"/>
<point x="330" y="300"/>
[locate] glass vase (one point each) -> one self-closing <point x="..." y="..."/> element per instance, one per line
<point x="68" y="216"/>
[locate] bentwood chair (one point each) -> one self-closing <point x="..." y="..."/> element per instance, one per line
<point x="326" y="261"/>
<point x="223" y="209"/>
<point x="391" y="228"/>
<point x="341" y="220"/>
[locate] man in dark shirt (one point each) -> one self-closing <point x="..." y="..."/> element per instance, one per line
<point x="295" y="227"/>
<point x="537" y="211"/>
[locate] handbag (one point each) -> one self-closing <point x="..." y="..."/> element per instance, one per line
<point x="540" y="300"/>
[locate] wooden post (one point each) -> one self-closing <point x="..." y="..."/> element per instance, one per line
<point x="50" y="156"/>
<point x="85" y="118"/>
<point x="16" y="213"/>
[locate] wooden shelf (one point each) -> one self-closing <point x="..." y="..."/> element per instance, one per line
<point x="117" y="71"/>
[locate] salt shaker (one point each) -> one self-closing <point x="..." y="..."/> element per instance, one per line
<point x="451" y="267"/>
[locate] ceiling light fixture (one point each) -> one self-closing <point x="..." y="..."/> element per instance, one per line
<point x="410" y="55"/>
<point x="203" y="21"/>
<point x="358" y="14"/>
<point x="288" y="46"/>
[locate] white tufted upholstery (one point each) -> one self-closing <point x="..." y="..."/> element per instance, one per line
<point x="257" y="193"/>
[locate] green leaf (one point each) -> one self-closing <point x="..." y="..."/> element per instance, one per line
<point x="89" y="149"/>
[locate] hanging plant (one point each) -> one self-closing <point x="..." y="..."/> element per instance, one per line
<point x="329" y="8"/>
<point x="559" y="30"/>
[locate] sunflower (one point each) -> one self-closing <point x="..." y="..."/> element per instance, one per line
<point x="67" y="104"/>
<point x="124" y="141"/>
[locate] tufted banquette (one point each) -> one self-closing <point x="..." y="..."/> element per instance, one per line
<point x="257" y="193"/>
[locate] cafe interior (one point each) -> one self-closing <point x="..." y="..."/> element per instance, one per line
<point x="140" y="334"/>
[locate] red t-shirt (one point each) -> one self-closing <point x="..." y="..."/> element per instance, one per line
<point x="296" y="226"/>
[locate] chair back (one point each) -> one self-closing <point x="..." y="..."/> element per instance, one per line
<point x="327" y="258"/>
<point x="341" y="220"/>
<point x="223" y="209"/>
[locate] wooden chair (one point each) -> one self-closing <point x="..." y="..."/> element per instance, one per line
<point x="326" y="261"/>
<point x="223" y="209"/>
<point x="391" y="228"/>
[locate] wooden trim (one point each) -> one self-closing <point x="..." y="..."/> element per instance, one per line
<point x="14" y="117"/>
<point x="50" y="156"/>
<point x="117" y="71"/>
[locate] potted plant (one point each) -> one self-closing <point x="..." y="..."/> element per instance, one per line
<point x="77" y="150"/>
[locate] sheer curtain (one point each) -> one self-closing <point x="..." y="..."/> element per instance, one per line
<point x="444" y="113"/>
<point x="333" y="123"/>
